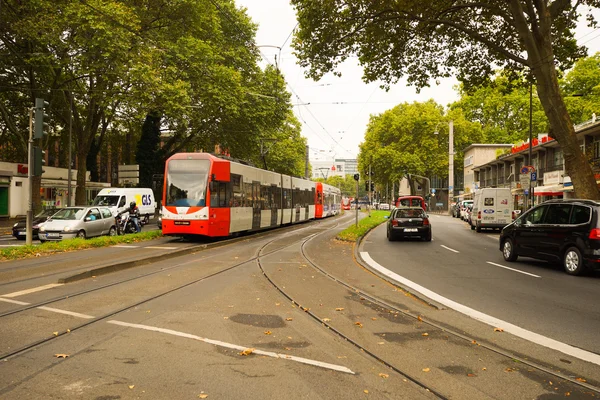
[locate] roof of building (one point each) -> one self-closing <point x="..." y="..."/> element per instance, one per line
<point x="498" y="145"/>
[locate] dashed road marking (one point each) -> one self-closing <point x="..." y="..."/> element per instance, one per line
<point x="448" y="248"/>
<point x="334" y="367"/>
<point x="22" y="303"/>
<point x="32" y="290"/>
<point x="71" y="313"/>
<point x="125" y="246"/>
<point x="512" y="269"/>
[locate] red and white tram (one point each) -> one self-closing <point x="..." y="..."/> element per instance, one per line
<point x="346" y="203"/>
<point x="212" y="196"/>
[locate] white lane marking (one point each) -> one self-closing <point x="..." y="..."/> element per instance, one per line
<point x="32" y="290"/>
<point x="487" y="319"/>
<point x="161" y="247"/>
<point x="71" y="313"/>
<point x="125" y="246"/>
<point x="448" y="248"/>
<point x="512" y="269"/>
<point x="236" y="347"/>
<point x="14" y="301"/>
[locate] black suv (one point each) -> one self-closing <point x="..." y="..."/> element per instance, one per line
<point x="556" y="230"/>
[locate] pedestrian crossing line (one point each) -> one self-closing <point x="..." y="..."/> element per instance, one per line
<point x="21" y="303"/>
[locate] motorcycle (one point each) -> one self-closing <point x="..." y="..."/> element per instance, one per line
<point x="124" y="223"/>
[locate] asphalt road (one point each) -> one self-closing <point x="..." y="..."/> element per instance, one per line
<point x="468" y="268"/>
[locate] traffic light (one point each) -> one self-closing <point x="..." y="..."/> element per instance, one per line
<point x="356" y="177"/>
<point x="38" y="161"/>
<point x="366" y="186"/>
<point x="41" y="127"/>
<point x="372" y="186"/>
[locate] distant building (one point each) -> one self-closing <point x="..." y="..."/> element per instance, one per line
<point x="336" y="167"/>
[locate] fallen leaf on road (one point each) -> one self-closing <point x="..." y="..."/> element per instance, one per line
<point x="484" y="369"/>
<point x="268" y="332"/>
<point x="380" y="342"/>
<point x="471" y="375"/>
<point x="277" y="304"/>
<point x="498" y="330"/>
<point x="202" y="396"/>
<point x="131" y="386"/>
<point x="55" y="333"/>
<point x="68" y="331"/>
<point x="374" y="319"/>
<point x="339" y="309"/>
<point x="425" y="334"/>
<point x="289" y="319"/>
<point x="366" y="391"/>
<point x="61" y="355"/>
<point x="381" y="374"/>
<point x="425" y="369"/>
<point x="419" y="318"/>
<point x="247" y="352"/>
<point x="325" y="320"/>
<point x="225" y="317"/>
<point x="508" y="370"/>
<point x="358" y="324"/>
<point x="473" y="342"/>
<point x="580" y="379"/>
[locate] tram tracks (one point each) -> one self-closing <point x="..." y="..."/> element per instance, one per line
<point x="387" y="307"/>
<point x="92" y="320"/>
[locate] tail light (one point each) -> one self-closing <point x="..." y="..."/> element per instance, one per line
<point x="478" y="214"/>
<point x="425" y="221"/>
<point x="394" y="222"/>
<point x="594" y="234"/>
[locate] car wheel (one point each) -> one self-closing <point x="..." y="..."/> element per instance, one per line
<point x="390" y="236"/>
<point x="428" y="237"/>
<point x="81" y="234"/>
<point x="573" y="262"/>
<point x="472" y="226"/>
<point x="508" y="250"/>
<point x="112" y="231"/>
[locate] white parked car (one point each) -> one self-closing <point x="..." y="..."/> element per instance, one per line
<point x="81" y="222"/>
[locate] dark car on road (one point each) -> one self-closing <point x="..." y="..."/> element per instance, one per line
<point x="565" y="231"/>
<point x="408" y="222"/>
<point x="19" y="229"/>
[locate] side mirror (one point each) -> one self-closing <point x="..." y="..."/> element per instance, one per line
<point x="386" y="217"/>
<point x="87" y="219"/>
<point x="211" y="186"/>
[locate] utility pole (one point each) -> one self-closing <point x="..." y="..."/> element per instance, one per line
<point x="29" y="221"/>
<point x="370" y="190"/>
<point x="450" y="166"/>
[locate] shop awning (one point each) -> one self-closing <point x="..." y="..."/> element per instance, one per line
<point x="550" y="190"/>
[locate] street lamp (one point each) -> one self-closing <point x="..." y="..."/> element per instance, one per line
<point x="450" y="163"/>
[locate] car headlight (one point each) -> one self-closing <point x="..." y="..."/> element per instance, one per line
<point x="15" y="225"/>
<point x="67" y="229"/>
<point x="42" y="229"/>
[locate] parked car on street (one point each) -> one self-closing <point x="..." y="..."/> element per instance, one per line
<point x="19" y="229"/>
<point x="566" y="231"/>
<point x="81" y="222"/>
<point x="469" y="214"/>
<point x="463" y="209"/>
<point x="408" y="222"/>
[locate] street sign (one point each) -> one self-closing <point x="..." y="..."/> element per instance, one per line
<point x="534" y="176"/>
<point x="524" y="179"/>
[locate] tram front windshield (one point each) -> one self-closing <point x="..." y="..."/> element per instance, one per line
<point x="186" y="183"/>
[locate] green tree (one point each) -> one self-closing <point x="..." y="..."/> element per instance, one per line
<point x="148" y="153"/>
<point x="425" y="40"/>
<point x="581" y="86"/>
<point x="402" y="141"/>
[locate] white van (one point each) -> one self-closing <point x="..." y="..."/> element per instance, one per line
<point x="491" y="209"/>
<point x="118" y="199"/>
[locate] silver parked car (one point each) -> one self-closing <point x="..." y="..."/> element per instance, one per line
<point x="81" y="222"/>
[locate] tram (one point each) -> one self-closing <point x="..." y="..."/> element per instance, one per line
<point x="207" y="195"/>
<point x="346" y="203"/>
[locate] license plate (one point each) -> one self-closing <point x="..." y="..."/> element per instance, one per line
<point x="52" y="235"/>
<point x="411" y="230"/>
<point x="182" y="223"/>
<point x="22" y="233"/>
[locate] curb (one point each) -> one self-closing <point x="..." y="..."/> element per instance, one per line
<point x="108" y="268"/>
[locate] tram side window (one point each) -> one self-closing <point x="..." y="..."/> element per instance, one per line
<point x="219" y="196"/>
<point x="266" y="197"/>
<point x="238" y="197"/>
<point x="287" y="198"/>
<point x="276" y="197"/>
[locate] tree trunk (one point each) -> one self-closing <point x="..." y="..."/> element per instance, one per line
<point x="561" y="128"/>
<point x="80" y="196"/>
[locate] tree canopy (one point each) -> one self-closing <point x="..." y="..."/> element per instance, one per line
<point x="423" y="40"/>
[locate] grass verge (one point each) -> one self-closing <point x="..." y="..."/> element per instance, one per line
<point x="352" y="233"/>
<point x="18" y="252"/>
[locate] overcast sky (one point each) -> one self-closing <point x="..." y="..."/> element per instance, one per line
<point x="335" y="111"/>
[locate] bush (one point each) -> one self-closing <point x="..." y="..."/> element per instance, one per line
<point x="352" y="233"/>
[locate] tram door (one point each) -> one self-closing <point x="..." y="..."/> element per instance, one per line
<point x="256" y="205"/>
<point x="274" y="199"/>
